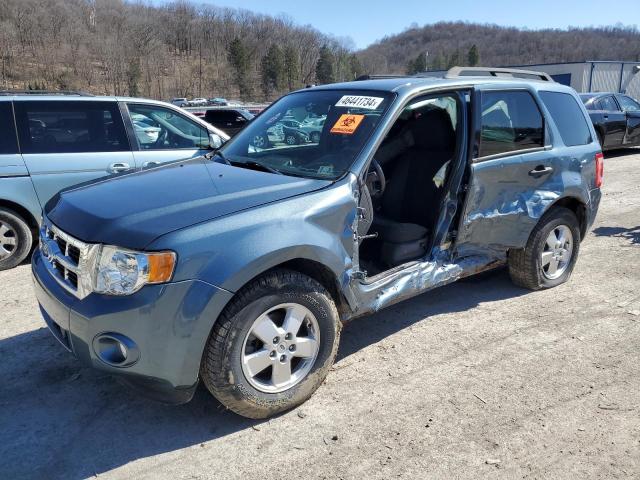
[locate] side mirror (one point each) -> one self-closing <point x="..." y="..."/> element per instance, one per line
<point x="215" y="141"/>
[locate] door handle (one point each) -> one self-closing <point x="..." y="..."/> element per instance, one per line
<point x="540" y="170"/>
<point x="149" y="164"/>
<point x="606" y="117"/>
<point x="118" y="167"/>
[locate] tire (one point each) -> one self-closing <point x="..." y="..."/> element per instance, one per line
<point x="527" y="266"/>
<point x="223" y="370"/>
<point x="16" y="239"/>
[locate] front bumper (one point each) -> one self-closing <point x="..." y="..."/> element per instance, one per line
<point x="169" y="324"/>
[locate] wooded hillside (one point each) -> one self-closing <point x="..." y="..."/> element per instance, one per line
<point x="468" y="44"/>
<point x="184" y="49"/>
<point x="181" y="49"/>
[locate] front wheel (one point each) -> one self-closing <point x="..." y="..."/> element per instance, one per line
<point x="15" y="239"/>
<point x="273" y="345"/>
<point x="550" y="254"/>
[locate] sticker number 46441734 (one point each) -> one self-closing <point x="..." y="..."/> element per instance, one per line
<point x="359" y="101"/>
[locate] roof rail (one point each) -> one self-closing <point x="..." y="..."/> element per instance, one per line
<point x="497" y="72"/>
<point x="46" y="92"/>
<point x="379" y="77"/>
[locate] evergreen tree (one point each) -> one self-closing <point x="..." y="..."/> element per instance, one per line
<point x="239" y="60"/>
<point x="473" y="58"/>
<point x="454" y="59"/>
<point x="324" y="67"/>
<point x="273" y="70"/>
<point x="291" y="66"/>
<point x="417" y="65"/>
<point x="134" y="73"/>
<point x="357" y="70"/>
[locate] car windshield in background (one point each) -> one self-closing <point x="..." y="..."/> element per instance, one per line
<point x="315" y="134"/>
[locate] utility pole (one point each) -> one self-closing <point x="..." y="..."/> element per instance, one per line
<point x="200" y="70"/>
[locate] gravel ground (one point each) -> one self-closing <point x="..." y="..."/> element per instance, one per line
<point x="478" y="379"/>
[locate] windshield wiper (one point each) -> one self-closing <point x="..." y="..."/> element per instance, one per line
<point x="254" y="164"/>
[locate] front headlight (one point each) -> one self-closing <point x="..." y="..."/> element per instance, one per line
<point x="123" y="272"/>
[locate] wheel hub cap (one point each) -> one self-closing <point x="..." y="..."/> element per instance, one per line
<point x="8" y="240"/>
<point x="557" y="252"/>
<point x="280" y="348"/>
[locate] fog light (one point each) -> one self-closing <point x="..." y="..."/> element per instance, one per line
<point x="116" y="350"/>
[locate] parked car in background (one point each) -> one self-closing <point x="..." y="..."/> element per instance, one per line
<point x="616" y="118"/>
<point x="228" y="119"/>
<point x="69" y="139"/>
<point x="218" y="102"/>
<point x="198" y="102"/>
<point x="238" y="268"/>
<point x="180" y="102"/>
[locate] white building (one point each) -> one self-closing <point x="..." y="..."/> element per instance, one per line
<point x="595" y="76"/>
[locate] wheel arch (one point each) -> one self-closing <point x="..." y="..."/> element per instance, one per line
<point x="313" y="269"/>
<point x="578" y="207"/>
<point x="22" y="211"/>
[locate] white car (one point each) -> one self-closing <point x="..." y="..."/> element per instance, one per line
<point x="199" y="102"/>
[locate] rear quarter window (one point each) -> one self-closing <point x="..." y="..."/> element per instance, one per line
<point x="568" y="117"/>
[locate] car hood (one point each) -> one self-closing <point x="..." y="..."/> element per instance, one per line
<point x="133" y="210"/>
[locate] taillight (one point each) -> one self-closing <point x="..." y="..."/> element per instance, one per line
<point x="599" y="169"/>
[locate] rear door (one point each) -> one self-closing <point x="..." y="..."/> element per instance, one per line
<point x="66" y="142"/>
<point x="632" y="113"/>
<point x="162" y="134"/>
<point x="513" y="172"/>
<point x="615" y="121"/>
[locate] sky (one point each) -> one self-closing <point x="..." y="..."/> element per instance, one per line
<point x="367" y="21"/>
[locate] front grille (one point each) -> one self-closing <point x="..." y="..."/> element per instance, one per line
<point x="68" y="259"/>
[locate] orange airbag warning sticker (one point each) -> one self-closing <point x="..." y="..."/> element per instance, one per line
<point x="347" y="124"/>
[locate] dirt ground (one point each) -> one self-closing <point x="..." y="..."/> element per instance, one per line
<point x="478" y="379"/>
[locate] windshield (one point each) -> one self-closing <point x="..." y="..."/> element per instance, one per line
<point x="314" y="134"/>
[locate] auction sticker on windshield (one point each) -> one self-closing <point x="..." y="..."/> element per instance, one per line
<point x="347" y="124"/>
<point x="358" y="101"/>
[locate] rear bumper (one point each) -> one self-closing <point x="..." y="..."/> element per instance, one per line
<point x="169" y="325"/>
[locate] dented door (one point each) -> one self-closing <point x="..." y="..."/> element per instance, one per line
<point x="514" y="176"/>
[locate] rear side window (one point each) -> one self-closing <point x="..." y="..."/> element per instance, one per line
<point x="8" y="141"/>
<point x="568" y="117"/>
<point x="70" y="127"/>
<point x="511" y="121"/>
<point x="608" y="104"/>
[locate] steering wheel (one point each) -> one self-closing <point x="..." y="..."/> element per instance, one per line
<point x="376" y="181"/>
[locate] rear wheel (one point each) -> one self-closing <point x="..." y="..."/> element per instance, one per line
<point x="15" y="239"/>
<point x="550" y="254"/>
<point x="272" y="346"/>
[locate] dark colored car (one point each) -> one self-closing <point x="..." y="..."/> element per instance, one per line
<point x="239" y="268"/>
<point x="229" y="120"/>
<point x="616" y="118"/>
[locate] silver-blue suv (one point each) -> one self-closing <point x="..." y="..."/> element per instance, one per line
<point x="52" y="141"/>
<point x="239" y="267"/>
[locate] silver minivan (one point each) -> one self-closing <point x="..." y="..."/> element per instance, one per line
<point x="49" y="142"/>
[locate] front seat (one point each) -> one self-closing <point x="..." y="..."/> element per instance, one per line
<point x="410" y="202"/>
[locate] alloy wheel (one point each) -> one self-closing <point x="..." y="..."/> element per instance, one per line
<point x="8" y="240"/>
<point x="556" y="255"/>
<point x="280" y="348"/>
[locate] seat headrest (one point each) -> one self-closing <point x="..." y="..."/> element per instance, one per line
<point x="433" y="131"/>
